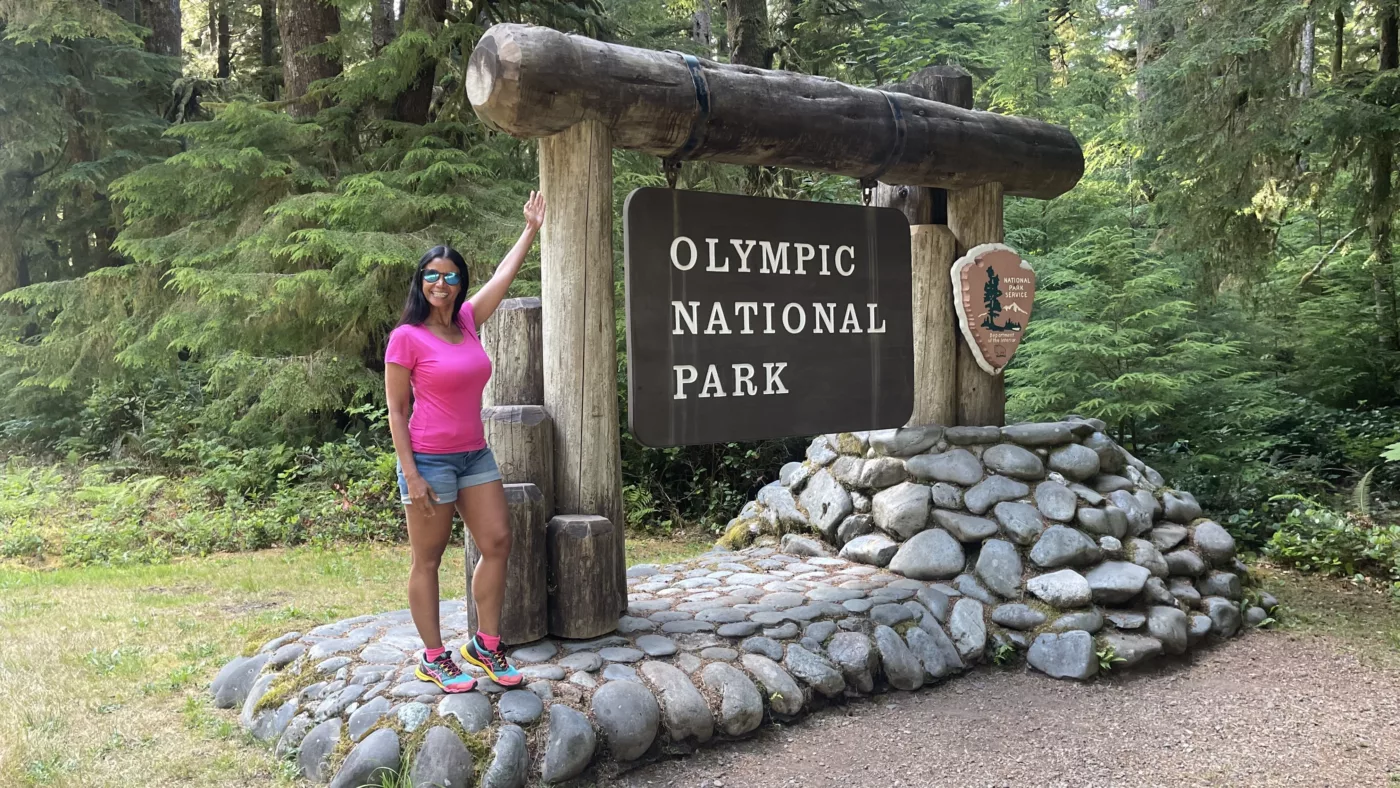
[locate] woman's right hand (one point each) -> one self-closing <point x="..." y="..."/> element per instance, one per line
<point x="420" y="494"/>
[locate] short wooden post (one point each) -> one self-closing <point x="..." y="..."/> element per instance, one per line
<point x="524" y="614"/>
<point x="975" y="217"/>
<point x="932" y="252"/>
<point x="522" y="438"/>
<point x="512" y="340"/>
<point x="583" y="576"/>
<point x="579" y="332"/>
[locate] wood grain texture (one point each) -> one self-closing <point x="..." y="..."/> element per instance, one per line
<point x="513" y="340"/>
<point x="583" y="583"/>
<point x="935" y="329"/>
<point x="578" y="331"/>
<point x="536" y="82"/>
<point x="522" y="438"/>
<point x="975" y="217"/>
<point x="524" y="614"/>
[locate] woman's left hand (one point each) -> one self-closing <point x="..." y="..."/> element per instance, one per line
<point x="534" y="211"/>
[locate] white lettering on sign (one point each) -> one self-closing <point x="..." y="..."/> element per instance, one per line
<point x="793" y="315"/>
<point x="744" y="385"/>
<point x="694" y="253"/>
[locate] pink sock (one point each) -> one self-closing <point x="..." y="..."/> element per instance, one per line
<point x="431" y="654"/>
<point x="492" y="642"/>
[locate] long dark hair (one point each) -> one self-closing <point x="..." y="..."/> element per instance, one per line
<point x="416" y="309"/>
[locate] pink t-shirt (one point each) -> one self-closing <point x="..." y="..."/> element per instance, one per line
<point x="447" y="384"/>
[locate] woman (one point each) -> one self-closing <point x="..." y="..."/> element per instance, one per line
<point x="436" y="362"/>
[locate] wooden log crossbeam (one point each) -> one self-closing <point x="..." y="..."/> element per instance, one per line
<point x="536" y="82"/>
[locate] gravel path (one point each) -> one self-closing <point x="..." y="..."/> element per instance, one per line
<point x="1268" y="709"/>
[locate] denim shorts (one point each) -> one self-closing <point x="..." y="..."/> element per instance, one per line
<point x="448" y="473"/>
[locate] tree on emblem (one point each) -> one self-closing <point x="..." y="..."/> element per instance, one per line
<point x="991" y="299"/>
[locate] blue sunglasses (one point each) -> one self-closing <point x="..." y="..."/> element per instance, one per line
<point x="452" y="278"/>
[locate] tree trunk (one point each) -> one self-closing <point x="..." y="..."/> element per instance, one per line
<point x="305" y="24"/>
<point x="1307" y="43"/>
<point x="163" y="18"/>
<point x="381" y="24"/>
<point x="224" y="39"/>
<point x="700" y="26"/>
<point x="746" y="23"/>
<point x="1339" y="27"/>
<point x="1381" y="209"/>
<point x="413" y="104"/>
<point x="12" y="268"/>
<point x="1146" y="46"/>
<point x="267" y="10"/>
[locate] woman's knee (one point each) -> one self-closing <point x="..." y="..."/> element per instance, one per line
<point x="494" y="542"/>
<point x="428" y="563"/>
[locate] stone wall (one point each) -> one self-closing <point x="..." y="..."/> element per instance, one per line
<point x="886" y="561"/>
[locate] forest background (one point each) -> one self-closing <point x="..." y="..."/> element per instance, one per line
<point x="210" y="209"/>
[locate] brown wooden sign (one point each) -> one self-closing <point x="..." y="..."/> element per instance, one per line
<point x="993" y="290"/>
<point x="752" y="318"/>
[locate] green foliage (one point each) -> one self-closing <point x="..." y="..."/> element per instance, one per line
<point x="1108" y="657"/>
<point x="1315" y="538"/>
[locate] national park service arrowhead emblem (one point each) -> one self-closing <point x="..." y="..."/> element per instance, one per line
<point x="993" y="290"/>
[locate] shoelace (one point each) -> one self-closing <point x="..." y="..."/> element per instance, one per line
<point x="445" y="664"/>
<point x="497" y="660"/>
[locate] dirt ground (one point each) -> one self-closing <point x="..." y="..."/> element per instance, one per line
<point x="1268" y="709"/>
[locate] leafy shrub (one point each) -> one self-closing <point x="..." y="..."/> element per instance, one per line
<point x="1314" y="538"/>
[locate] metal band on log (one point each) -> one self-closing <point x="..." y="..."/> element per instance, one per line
<point x="536" y="82"/>
<point x="526" y="604"/>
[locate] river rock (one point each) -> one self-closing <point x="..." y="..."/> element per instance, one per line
<point x="999" y="567"/>
<point x="905" y="441"/>
<point x="472" y="710"/>
<point x="510" y="762"/>
<point x="1180" y="507"/>
<point x="826" y="502"/>
<point x="442" y="761"/>
<point x="1116" y="581"/>
<point x="1139" y="516"/>
<point x="1184" y="563"/>
<point x="235" y="681"/>
<point x="855" y="526"/>
<point x="968" y="629"/>
<point x="1017" y="616"/>
<point x="371" y="761"/>
<point x="779" y="500"/>
<point x="1111" y="458"/>
<point x="1090" y="621"/>
<point x="1074" y="462"/>
<point x="857" y="659"/>
<point x="570" y="746"/>
<point x="521" y="707"/>
<point x="965" y="436"/>
<point x="956" y="466"/>
<point x="1214" y="543"/>
<point x="1147" y="556"/>
<point x="1167" y="536"/>
<point x="1052" y="433"/>
<point x="1066" y="655"/>
<point x="1224" y="615"/>
<point x="881" y="472"/>
<point x="1061" y="546"/>
<point x="814" y="671"/>
<point x="963" y="526"/>
<point x="929" y="555"/>
<point x="784" y="695"/>
<point x="1097" y="521"/>
<point x="740" y="705"/>
<point x="1170" y="626"/>
<point x="993" y="490"/>
<point x="1064" y="589"/>
<point x="313" y="759"/>
<point x="902" y="668"/>
<point x="1183" y="591"/>
<point x="1132" y="649"/>
<point x="1055" y="501"/>
<point x="628" y="716"/>
<point x="901" y="510"/>
<point x="685" y="711"/>
<point x="1014" y="461"/>
<point x="793" y="544"/>
<point x="1021" y="522"/>
<point x="365" y="717"/>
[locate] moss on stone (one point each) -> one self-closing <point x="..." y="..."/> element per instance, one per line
<point x="738" y="536"/>
<point x="287" y="686"/>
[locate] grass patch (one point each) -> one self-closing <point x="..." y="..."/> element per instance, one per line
<point x="646" y="550"/>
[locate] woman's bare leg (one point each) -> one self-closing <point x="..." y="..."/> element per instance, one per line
<point x="427" y="537"/>
<point x="483" y="509"/>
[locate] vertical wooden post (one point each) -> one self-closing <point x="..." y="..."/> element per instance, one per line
<point x="512" y="340"/>
<point x="522" y="438"/>
<point x="933" y="251"/>
<point x="582" y="584"/>
<point x="524" y="613"/>
<point x="579" y="330"/>
<point x="975" y="217"/>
